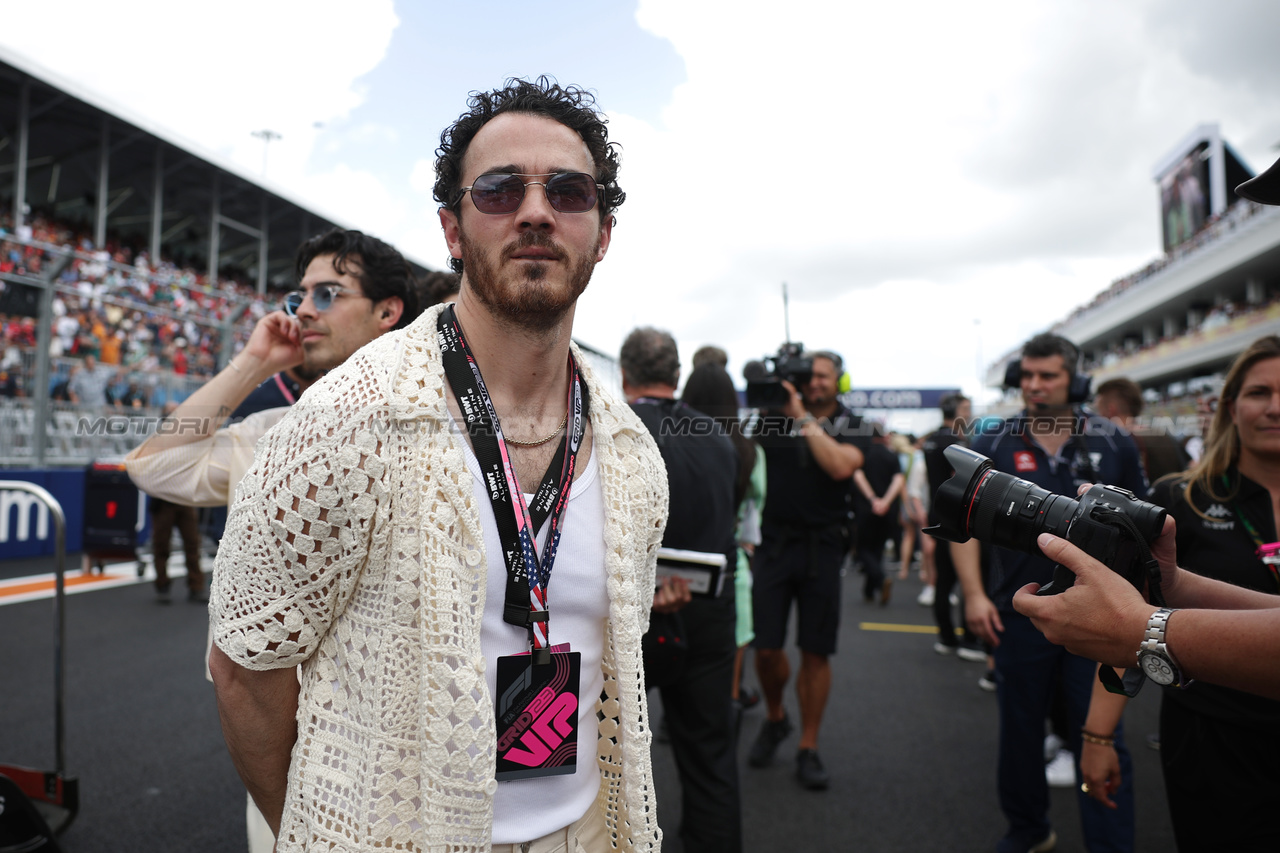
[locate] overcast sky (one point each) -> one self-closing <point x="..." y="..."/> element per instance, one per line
<point x="935" y="181"/>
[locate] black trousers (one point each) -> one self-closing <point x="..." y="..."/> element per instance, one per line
<point x="1221" y="781"/>
<point x="873" y="532"/>
<point x="701" y="723"/>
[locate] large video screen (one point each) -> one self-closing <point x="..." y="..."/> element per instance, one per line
<point x="1197" y="181"/>
<point x="1184" y="197"/>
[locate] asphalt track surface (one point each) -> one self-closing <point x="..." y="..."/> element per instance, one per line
<point x="909" y="738"/>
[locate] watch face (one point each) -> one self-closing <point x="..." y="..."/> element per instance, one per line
<point x="1157" y="668"/>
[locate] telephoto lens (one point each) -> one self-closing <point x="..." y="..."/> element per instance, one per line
<point x="1108" y="523"/>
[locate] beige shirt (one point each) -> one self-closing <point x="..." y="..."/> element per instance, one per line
<point x="203" y="473"/>
<point x="355" y="548"/>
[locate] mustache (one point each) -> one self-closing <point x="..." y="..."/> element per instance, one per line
<point x="534" y="239"/>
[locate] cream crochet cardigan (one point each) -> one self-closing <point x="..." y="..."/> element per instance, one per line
<point x="355" y="548"/>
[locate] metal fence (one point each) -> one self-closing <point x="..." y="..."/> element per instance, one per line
<point x="74" y="435"/>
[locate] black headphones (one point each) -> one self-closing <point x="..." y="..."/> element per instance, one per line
<point x="1081" y="384"/>
<point x="950" y="404"/>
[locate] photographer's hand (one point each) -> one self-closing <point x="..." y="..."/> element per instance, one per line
<point x="1101" y="617"/>
<point x="1165" y="550"/>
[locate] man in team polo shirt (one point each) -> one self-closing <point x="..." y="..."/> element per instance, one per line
<point x="1057" y="444"/>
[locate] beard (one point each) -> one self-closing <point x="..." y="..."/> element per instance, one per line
<point x="532" y="302"/>
<point x="308" y="372"/>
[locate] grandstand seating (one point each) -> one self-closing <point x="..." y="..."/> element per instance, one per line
<point x="157" y="332"/>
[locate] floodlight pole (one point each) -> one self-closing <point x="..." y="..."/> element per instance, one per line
<point x="267" y="137"/>
<point x="786" y="312"/>
<point x="40" y="406"/>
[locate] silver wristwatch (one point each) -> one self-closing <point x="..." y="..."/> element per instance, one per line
<point x="1153" y="655"/>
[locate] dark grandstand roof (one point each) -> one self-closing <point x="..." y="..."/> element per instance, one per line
<point x="67" y="122"/>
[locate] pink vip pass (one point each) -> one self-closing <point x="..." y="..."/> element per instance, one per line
<point x="536" y="709"/>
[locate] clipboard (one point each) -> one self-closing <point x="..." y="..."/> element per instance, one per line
<point x="704" y="571"/>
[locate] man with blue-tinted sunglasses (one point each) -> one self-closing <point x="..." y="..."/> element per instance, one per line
<point x="352" y="288"/>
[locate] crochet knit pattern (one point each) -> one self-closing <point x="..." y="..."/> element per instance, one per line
<point x="355" y="548"/>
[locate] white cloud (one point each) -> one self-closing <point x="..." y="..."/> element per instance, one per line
<point x="214" y="74"/>
<point x="906" y="168"/>
<point x="423" y="177"/>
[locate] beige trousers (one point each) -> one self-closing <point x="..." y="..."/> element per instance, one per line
<point x="587" y="834"/>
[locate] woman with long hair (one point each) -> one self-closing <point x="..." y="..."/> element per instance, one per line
<point x="1220" y="747"/>
<point x="710" y="390"/>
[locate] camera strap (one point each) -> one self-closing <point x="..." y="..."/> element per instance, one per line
<point x="1122" y="685"/>
<point x="526" y="603"/>
<point x="1150" y="565"/>
<point x="1131" y="682"/>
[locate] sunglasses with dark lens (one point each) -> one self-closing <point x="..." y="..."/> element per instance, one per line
<point x="322" y="297"/>
<point x="502" y="192"/>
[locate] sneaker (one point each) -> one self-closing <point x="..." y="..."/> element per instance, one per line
<point x="1050" y="841"/>
<point x="1061" y="772"/>
<point x="810" y="772"/>
<point x="748" y="697"/>
<point x="162" y="594"/>
<point x="1009" y="844"/>
<point x="925" y="598"/>
<point x="943" y="649"/>
<point x="988" y="681"/>
<point x="972" y="654"/>
<point x="772" y="734"/>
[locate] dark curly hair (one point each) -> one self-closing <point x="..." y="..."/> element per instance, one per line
<point x="383" y="272"/>
<point x="572" y="106"/>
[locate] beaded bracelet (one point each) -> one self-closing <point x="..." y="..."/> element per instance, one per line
<point x="1090" y="737"/>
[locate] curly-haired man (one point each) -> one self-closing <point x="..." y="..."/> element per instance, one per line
<point x="402" y="527"/>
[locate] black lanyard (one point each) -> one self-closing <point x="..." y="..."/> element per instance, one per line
<point x="527" y="577"/>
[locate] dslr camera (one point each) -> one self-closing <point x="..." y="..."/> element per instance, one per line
<point x="1107" y="523"/>
<point x="764" y="377"/>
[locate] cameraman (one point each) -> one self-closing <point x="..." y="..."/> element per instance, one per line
<point x="1056" y="444"/>
<point x="812" y="447"/>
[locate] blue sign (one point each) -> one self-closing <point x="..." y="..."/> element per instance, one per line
<point x="26" y="527"/>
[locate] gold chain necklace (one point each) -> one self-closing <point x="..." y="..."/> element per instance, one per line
<point x="519" y="443"/>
